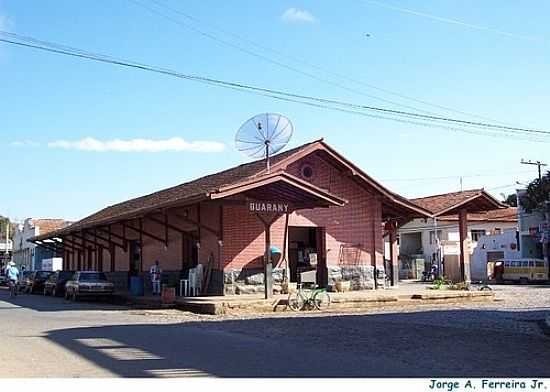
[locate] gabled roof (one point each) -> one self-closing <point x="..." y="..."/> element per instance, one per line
<point x="509" y="214"/>
<point x="207" y="187"/>
<point x="401" y="203"/>
<point x="474" y="200"/>
<point x="48" y="225"/>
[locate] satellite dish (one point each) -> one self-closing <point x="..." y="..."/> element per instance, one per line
<point x="264" y="135"/>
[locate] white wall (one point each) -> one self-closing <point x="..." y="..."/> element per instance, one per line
<point x="449" y="234"/>
<point x="504" y="242"/>
<point x="23" y="251"/>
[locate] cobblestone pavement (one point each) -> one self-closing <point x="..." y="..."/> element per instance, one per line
<point x="50" y="337"/>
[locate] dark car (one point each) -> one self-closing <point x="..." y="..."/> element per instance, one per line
<point x="35" y="281"/>
<point x="88" y="284"/>
<point x="55" y="284"/>
<point x="4" y="280"/>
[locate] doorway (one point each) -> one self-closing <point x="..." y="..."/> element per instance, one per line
<point x="135" y="258"/>
<point x="307" y="252"/>
<point x="190" y="252"/>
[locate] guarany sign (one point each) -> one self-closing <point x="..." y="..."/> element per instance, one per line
<point x="268" y="207"/>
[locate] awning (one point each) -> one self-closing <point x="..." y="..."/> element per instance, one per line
<point x="280" y="186"/>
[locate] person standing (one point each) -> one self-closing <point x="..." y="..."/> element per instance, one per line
<point x="155" y="273"/>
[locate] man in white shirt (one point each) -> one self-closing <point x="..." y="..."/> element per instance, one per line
<point x="155" y="273"/>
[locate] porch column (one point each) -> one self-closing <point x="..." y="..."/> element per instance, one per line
<point x="394" y="260"/>
<point x="464" y="252"/>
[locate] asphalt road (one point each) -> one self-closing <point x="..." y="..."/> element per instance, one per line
<point x="49" y="337"/>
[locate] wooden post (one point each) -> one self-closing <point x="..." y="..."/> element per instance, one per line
<point x="464" y="251"/>
<point x="393" y="255"/>
<point x="268" y="266"/>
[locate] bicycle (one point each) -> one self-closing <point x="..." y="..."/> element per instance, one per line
<point x="316" y="297"/>
<point x="13" y="288"/>
<point x="481" y="285"/>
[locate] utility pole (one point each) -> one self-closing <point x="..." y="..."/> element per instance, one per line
<point x="539" y="164"/>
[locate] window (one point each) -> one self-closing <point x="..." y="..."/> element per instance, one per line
<point x="497" y="230"/>
<point x="477" y="234"/>
<point x="307" y="171"/>
<point x="432" y="236"/>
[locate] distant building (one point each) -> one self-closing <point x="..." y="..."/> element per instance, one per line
<point x="26" y="254"/>
<point x="491" y="248"/>
<point x="6" y="250"/>
<point x="531" y="227"/>
<point x="423" y="242"/>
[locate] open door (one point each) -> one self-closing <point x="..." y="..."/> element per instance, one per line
<point x="322" y="271"/>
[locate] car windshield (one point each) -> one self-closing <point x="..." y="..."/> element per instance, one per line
<point x="42" y="274"/>
<point x="89" y="276"/>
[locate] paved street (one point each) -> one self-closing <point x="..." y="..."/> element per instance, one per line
<point x="48" y="337"/>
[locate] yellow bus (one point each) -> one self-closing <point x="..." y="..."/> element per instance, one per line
<point x="525" y="270"/>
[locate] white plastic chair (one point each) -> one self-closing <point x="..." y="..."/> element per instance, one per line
<point x="195" y="280"/>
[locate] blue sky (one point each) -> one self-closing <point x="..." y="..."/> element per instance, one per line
<point x="477" y="57"/>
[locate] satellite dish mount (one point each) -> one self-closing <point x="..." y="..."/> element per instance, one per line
<point x="264" y="135"/>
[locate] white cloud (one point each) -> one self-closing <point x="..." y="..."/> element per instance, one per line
<point x="138" y="145"/>
<point x="295" y="15"/>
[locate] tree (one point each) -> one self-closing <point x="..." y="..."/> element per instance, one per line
<point x="537" y="194"/>
<point x="3" y="221"/>
<point x="511" y="200"/>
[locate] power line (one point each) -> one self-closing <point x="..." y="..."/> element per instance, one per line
<point x="453" y="21"/>
<point x="267" y="59"/>
<point x="539" y="165"/>
<point x="457" y="176"/>
<point x="301" y="61"/>
<point x="389" y="114"/>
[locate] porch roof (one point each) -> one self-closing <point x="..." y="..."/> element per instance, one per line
<point x="278" y="186"/>
<point x="212" y="186"/>
<point x="473" y="201"/>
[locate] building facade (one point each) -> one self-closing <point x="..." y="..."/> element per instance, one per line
<point x="423" y="242"/>
<point x="26" y="254"/>
<point x="320" y="210"/>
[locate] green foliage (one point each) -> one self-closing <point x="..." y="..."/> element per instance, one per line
<point x="538" y="192"/>
<point x="511" y="200"/>
<point x="3" y="221"/>
<point x="440" y="283"/>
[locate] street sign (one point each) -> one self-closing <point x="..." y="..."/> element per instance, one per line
<point x="268" y="207"/>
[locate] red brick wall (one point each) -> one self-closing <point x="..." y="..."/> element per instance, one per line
<point x="357" y="223"/>
<point x="244" y="238"/>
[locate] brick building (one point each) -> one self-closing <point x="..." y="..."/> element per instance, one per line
<point x="319" y="209"/>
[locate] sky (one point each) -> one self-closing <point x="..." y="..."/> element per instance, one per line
<point x="79" y="135"/>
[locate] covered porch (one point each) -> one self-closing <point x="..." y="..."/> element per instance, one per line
<point x="125" y="242"/>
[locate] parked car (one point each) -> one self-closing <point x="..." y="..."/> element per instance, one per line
<point x="24" y="280"/>
<point x="88" y="284"/>
<point x="55" y="284"/>
<point x="35" y="281"/>
<point x="4" y="280"/>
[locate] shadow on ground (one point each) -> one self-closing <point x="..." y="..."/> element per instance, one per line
<point x="456" y="343"/>
<point x="41" y="303"/>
